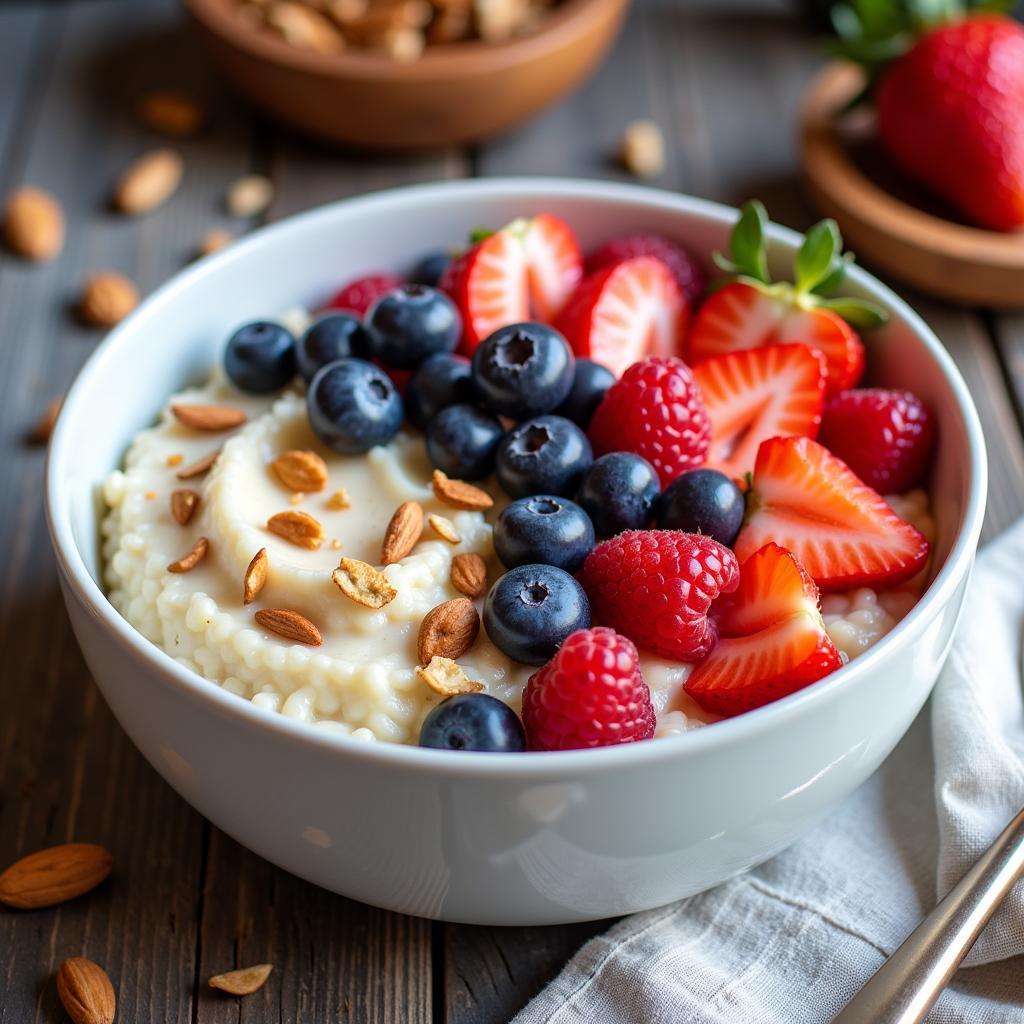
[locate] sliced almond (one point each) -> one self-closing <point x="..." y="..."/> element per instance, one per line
<point x="175" y="459"/>
<point x="170" y="112"/>
<point x="107" y="298"/>
<point x="642" y="149"/>
<point x="149" y="181"/>
<point x="301" y="471"/>
<point x="244" y="981"/>
<point x="34" y="224"/>
<point x="403" y="532"/>
<point x="448" y="630"/>
<point x="291" y="625"/>
<point x="459" y="494"/>
<point x="447" y="678"/>
<point x="469" y="574"/>
<point x="43" y="429"/>
<point x="249" y="196"/>
<point x="199" y="467"/>
<point x="444" y="528"/>
<point x="363" y="583"/>
<point x="255" y="576"/>
<point x="189" y="561"/>
<point x="54" y="875"/>
<point x="86" y="992"/>
<point x="339" y="500"/>
<point x="184" y="503"/>
<point x="298" y="528"/>
<point x="208" y="418"/>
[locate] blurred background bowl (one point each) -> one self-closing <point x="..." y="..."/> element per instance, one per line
<point x="454" y="93"/>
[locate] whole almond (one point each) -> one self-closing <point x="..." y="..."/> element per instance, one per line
<point x="189" y="561"/>
<point x="298" y="528"/>
<point x="170" y="112"/>
<point x="210" y="418"/>
<point x="184" y="503"/>
<point x="302" y="471"/>
<point x="469" y="574"/>
<point x="642" y="149"/>
<point x="447" y="678"/>
<point x="213" y="241"/>
<point x="107" y="298"/>
<point x="54" y="875"/>
<point x="149" y="181"/>
<point x="244" y="981"/>
<point x="249" y="196"/>
<point x="448" y="630"/>
<point x="304" y="27"/>
<point x="290" y="625"/>
<point x="362" y="583"/>
<point x="402" y="533"/>
<point x="255" y="576"/>
<point x="86" y="991"/>
<point x="43" y="429"/>
<point x="34" y="224"/>
<point x="459" y="494"/>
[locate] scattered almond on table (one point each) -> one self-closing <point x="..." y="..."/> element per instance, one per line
<point x="213" y="241"/>
<point x="170" y="112"/>
<point x="149" y="181"/>
<point x="107" y="298"/>
<point x="244" y="981"/>
<point x="34" y="224"/>
<point x="54" y="875"/>
<point x="43" y="428"/>
<point x="86" y="991"/>
<point x="249" y="196"/>
<point x="642" y="149"/>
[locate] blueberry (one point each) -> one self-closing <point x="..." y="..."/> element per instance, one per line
<point x="430" y="268"/>
<point x="703" y="501"/>
<point x="473" y="721"/>
<point x="546" y="529"/>
<point x="260" y="357"/>
<point x="353" y="406"/>
<point x="440" y="381"/>
<point x="532" y="609"/>
<point x="408" y="324"/>
<point x="329" y="338"/>
<point x="546" y="455"/>
<point x="618" y="492"/>
<point x="462" y="441"/>
<point x="589" y="384"/>
<point x="523" y="370"/>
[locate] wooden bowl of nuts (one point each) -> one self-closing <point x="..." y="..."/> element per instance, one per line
<point x="406" y="74"/>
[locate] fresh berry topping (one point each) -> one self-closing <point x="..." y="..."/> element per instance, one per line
<point x="353" y="406"/>
<point x="703" y="501"/>
<point x="625" y="312"/>
<point x="885" y="437"/>
<point x="523" y="370"/>
<point x="656" y="411"/>
<point x="754" y="394"/>
<point x="591" y="694"/>
<point x="772" y="640"/>
<point x="530" y="611"/>
<point x="410" y="323"/>
<point x="842" y="532"/>
<point x="430" y="269"/>
<point x="462" y="440"/>
<point x="618" y="492"/>
<point x="589" y="384"/>
<point x="544" y="529"/>
<point x="473" y="721"/>
<point x="554" y="265"/>
<point x="657" y="587"/>
<point x="441" y="380"/>
<point x="546" y="455"/>
<point x="330" y="337"/>
<point x="687" y="271"/>
<point x="359" y="295"/>
<point x="260" y="357"/>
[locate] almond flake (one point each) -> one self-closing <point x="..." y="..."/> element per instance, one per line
<point x="86" y="992"/>
<point x="469" y="574"/>
<point x="444" y="528"/>
<point x="298" y="528"/>
<point x="448" y="630"/>
<point x="459" y="494"/>
<point x="447" y="678"/>
<point x="242" y="982"/>
<point x="642" y="149"/>
<point x="188" y="562"/>
<point x="403" y="532"/>
<point x="255" y="576"/>
<point x="210" y="418"/>
<point x="290" y="625"/>
<point x="175" y="460"/>
<point x="335" y="544"/>
<point x="183" y="505"/>
<point x="363" y="584"/>
<point x="150" y="495"/>
<point x="339" y="500"/>
<point x="302" y="471"/>
<point x="199" y="467"/>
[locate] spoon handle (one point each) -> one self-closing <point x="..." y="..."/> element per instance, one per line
<point x="904" y="988"/>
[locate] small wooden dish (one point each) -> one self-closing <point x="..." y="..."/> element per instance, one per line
<point x="887" y="219"/>
<point x="456" y="93"/>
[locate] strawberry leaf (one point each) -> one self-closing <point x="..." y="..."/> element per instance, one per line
<point x="746" y="243"/>
<point x="814" y="260"/>
<point x="478" y="235"/>
<point x="860" y="312"/>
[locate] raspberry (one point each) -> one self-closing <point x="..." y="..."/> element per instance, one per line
<point x="685" y="269"/>
<point x="590" y="694"/>
<point x="885" y="437"/>
<point x="654" y="410"/>
<point x="657" y="586"/>
<point x="361" y="294"/>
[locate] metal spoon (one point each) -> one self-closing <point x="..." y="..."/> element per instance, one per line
<point x="906" y="986"/>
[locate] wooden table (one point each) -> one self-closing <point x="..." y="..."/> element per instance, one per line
<point x="722" y="78"/>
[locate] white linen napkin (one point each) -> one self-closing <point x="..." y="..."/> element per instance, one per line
<point x="793" y="940"/>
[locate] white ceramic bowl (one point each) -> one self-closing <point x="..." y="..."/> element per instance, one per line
<point x="486" y="838"/>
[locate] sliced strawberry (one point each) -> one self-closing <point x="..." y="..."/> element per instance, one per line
<point x="359" y="295"/>
<point x="771" y="391"/>
<point x="772" y="638"/>
<point x="843" y="532"/>
<point x="623" y="313"/>
<point x="554" y="265"/>
<point x="741" y="316"/>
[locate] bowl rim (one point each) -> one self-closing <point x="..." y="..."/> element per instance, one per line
<point x="536" y="764"/>
<point x="560" y="28"/>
